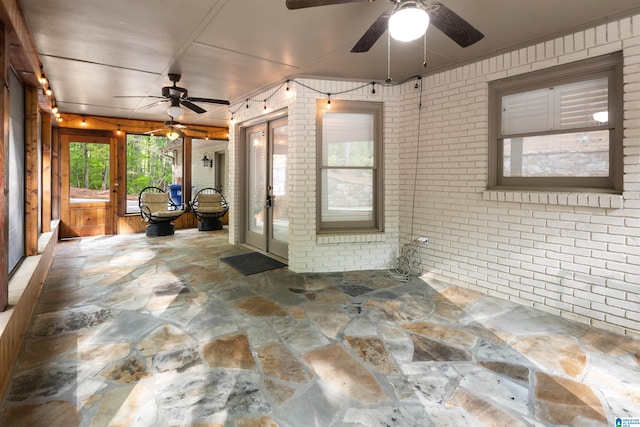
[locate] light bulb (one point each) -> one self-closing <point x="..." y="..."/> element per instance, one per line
<point x="175" y="111"/>
<point x="55" y="110"/>
<point x="49" y="92"/>
<point x="409" y="23"/>
<point x="173" y="135"/>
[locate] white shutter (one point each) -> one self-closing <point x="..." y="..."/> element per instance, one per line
<point x="568" y="106"/>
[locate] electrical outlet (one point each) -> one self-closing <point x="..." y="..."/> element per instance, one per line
<point x="423" y="239"/>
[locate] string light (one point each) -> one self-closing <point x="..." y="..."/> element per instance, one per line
<point x="84" y="123"/>
<point x="49" y="92"/>
<point x="289" y="93"/>
<point x="119" y="131"/>
<point x="43" y="80"/>
<point x="55" y="109"/>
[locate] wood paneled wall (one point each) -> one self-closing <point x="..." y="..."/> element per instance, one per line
<point x="131" y="223"/>
<point x="31" y="172"/>
<point x="75" y="121"/>
<point x="14" y="330"/>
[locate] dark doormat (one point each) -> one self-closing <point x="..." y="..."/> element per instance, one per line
<point x="252" y="263"/>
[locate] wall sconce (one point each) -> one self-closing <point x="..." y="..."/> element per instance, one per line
<point x="207" y="160"/>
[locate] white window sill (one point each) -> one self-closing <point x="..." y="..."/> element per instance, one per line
<point x="325" y="239"/>
<point x="594" y="200"/>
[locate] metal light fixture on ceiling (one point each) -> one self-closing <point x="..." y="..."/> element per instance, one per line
<point x="174" y="110"/>
<point x="409" y="22"/>
<point x="173" y="135"/>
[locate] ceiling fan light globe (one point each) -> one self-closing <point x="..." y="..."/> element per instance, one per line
<point x="175" y="111"/>
<point x="408" y="23"/>
<point x="173" y="135"/>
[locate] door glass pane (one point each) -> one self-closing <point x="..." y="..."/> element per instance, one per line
<point x="88" y="172"/>
<point x="257" y="181"/>
<point x="280" y="219"/>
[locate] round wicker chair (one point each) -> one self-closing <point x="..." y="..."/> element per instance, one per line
<point x="159" y="211"/>
<point x="209" y="206"/>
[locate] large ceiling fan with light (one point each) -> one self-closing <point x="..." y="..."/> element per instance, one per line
<point x="174" y="130"/>
<point x="178" y="97"/>
<point x="408" y="20"/>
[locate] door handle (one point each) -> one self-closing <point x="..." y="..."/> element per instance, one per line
<point x="268" y="202"/>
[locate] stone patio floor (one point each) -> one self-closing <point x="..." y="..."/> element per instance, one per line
<point x="138" y="331"/>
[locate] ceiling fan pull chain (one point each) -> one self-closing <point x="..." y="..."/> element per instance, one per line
<point x="424" y="62"/>
<point x="388" y="57"/>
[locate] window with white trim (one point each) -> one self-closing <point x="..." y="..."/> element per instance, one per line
<point x="559" y="128"/>
<point x="350" y="175"/>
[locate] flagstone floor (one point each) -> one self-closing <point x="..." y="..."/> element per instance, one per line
<point x="137" y="331"/>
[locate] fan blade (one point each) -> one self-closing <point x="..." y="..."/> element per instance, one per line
<point x="138" y="96"/>
<point x="451" y="24"/>
<point x="301" y="4"/>
<point x="193" y="107"/>
<point x="209" y="100"/>
<point x="169" y="124"/>
<point x="153" y="104"/>
<point x="374" y="32"/>
<point x="151" y="132"/>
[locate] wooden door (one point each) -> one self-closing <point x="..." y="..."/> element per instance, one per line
<point x="88" y="196"/>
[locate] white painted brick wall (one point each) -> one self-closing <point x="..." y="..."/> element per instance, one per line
<point x="308" y="251"/>
<point x="572" y="254"/>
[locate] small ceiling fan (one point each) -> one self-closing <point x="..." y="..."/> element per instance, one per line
<point x="406" y="21"/>
<point x="174" y="130"/>
<point x="178" y="97"/>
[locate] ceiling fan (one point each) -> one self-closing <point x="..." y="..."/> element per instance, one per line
<point x="174" y="130"/>
<point x="406" y="21"/>
<point x="178" y="97"/>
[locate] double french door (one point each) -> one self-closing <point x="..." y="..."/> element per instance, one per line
<point x="267" y="201"/>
